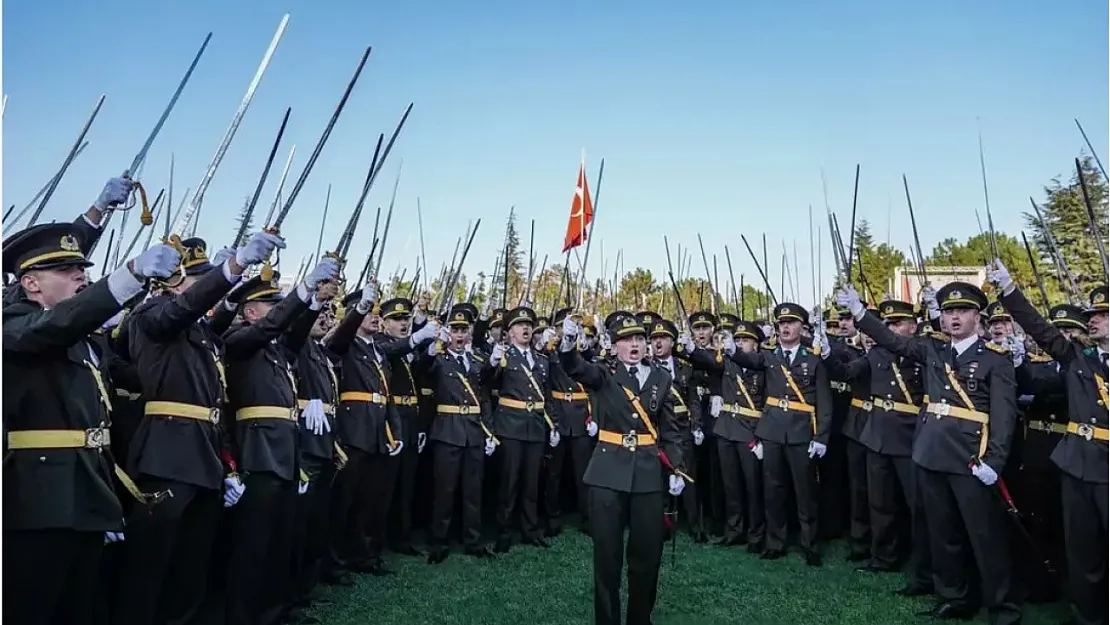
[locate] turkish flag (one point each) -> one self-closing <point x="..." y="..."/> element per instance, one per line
<point x="581" y="213"/>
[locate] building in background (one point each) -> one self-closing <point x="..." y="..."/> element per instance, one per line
<point x="906" y="284"/>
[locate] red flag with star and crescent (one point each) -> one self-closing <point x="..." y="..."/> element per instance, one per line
<point x="581" y="213"/>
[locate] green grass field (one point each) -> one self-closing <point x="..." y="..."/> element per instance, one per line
<point x="708" y="585"/>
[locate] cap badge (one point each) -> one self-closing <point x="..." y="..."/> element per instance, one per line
<point x="69" y="243"/>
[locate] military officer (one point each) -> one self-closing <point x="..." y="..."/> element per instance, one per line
<point x="794" y="428"/>
<point x="461" y="435"/>
<point x="523" y="424"/>
<point x="262" y="397"/>
<point x="961" y="446"/>
<point x="638" y="446"/>
<point x="1082" y="453"/>
<point x="59" y="504"/>
<point x="178" y="445"/>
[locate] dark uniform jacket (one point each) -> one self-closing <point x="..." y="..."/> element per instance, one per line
<point x="1080" y="454"/>
<point x="178" y="359"/>
<point x="568" y="400"/>
<point x="741" y="392"/>
<point x="259" y="374"/>
<point x="784" y="420"/>
<point x="1045" y="412"/>
<point x="461" y="416"/>
<point x="627" y="467"/>
<point x="50" y="384"/>
<point x="523" y="386"/>
<point x="316" y="379"/>
<point x="366" y="419"/>
<point x="891" y="416"/>
<point x="404" y="386"/>
<point x="949" y="444"/>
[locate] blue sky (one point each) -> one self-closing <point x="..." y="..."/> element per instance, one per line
<point x="717" y="120"/>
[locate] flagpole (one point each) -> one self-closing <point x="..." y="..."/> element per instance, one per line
<point x="590" y="236"/>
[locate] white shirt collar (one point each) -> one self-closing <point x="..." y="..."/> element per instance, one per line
<point x="962" y="345"/>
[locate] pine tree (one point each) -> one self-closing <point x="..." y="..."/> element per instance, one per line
<point x="244" y="216"/>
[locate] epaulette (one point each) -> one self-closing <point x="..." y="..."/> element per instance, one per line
<point x="769" y="345"/>
<point x="940" y="337"/>
<point x="476" y="357"/>
<point x="1040" y="358"/>
<point x="995" y="347"/>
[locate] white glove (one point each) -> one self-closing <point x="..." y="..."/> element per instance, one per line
<point x="491" y="445"/>
<point x="728" y="344"/>
<point x="369" y="296"/>
<point x="222" y="256"/>
<point x="113" y="537"/>
<point x="428" y="332"/>
<point x="326" y="270"/>
<point x="115" y="192"/>
<point x="315" y="420"/>
<point x="432" y="349"/>
<point x="686" y="341"/>
<point x="1017" y="350"/>
<point x="716" y="403"/>
<point x="421" y="441"/>
<point x="591" y="428"/>
<point x="847" y="297"/>
<point x="302" y="487"/>
<point x="998" y="274"/>
<point x="258" y="248"/>
<point x="553" y="439"/>
<point x="397" y="448"/>
<point x="757" y="449"/>
<point x="699" y="436"/>
<point x="929" y="297"/>
<point x="498" y="352"/>
<point x="233" y="490"/>
<point x="676" y="485"/>
<point x="821" y="341"/>
<point x="985" y="473"/>
<point x="605" y="341"/>
<point x="548" y="336"/>
<point x="817" y="450"/>
<point x="570" y="328"/>
<point x="158" y="261"/>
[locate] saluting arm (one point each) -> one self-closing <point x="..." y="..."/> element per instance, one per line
<point x="71" y="321"/>
<point x="588" y="374"/>
<point x="906" y="346"/>
<point x="296" y="335"/>
<point x="175" y="314"/>
<point x="1036" y="380"/>
<point x="1046" y="335"/>
<point x="340" y="341"/>
<point x="705" y="359"/>
<point x="842" y="370"/>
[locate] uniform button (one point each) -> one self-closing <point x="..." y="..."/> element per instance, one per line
<point x="947" y="388"/>
<point x="42" y="458"/>
<point x="892" y="382"/>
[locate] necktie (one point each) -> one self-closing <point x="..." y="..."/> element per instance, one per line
<point x="635" y="373"/>
<point x="1104" y="357"/>
<point x="787" y="354"/>
<point x="462" y="362"/>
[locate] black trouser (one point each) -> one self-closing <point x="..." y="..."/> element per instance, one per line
<point x="610" y="513"/>
<point x="579" y="449"/>
<point x="833" y="499"/>
<point x="50" y="576"/>
<point x="960" y="509"/>
<point x="258" y="580"/>
<point x="783" y="466"/>
<point x="400" y="513"/>
<point x="520" y="478"/>
<point x="859" y="514"/>
<point x="708" y="472"/>
<point x="374" y="496"/>
<point x="890" y="496"/>
<point x="167" y="551"/>
<point x="310" y="532"/>
<point x="454" y="467"/>
<point x="1085" y="536"/>
<point x="742" y="477"/>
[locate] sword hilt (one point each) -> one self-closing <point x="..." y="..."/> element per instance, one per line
<point x="267" y="271"/>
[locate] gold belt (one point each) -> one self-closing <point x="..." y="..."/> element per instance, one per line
<point x="250" y="413"/>
<point x="404" y="400"/>
<point x="92" y="438"/>
<point x="890" y="405"/>
<point x="629" y="441"/>
<point x="1088" y="432"/>
<point x="570" y="396"/>
<point x="183" y="411"/>
<point x="303" y="403"/>
<point x="453" y="409"/>
<point x="1050" y="427"/>
<point x="508" y="402"/>
<point x="373" y="398"/>
<point x="742" y="410"/>
<point x="789" y="404"/>
<point x="948" y="410"/>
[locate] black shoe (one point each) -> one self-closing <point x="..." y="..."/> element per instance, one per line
<point x="913" y="590"/>
<point x="755" y="548"/>
<point x="338" y="579"/>
<point x="554" y="531"/>
<point x="377" y="568"/>
<point x="949" y="611"/>
<point x="772" y="554"/>
<point x="537" y="541"/>
<point x="406" y="549"/>
<point x="503" y="544"/>
<point x="482" y="551"/>
<point x="858" y="556"/>
<point x="813" y="558"/>
<point x="437" y="555"/>
<point x="700" y="537"/>
<point x="731" y="541"/>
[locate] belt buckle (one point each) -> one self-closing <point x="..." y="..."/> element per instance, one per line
<point x="464" y="409"/>
<point x="629" y="441"/>
<point x="868" y="406"/>
<point x="529" y="405"/>
<point x="888" y="405"/>
<point x="784" y="404"/>
<point x="293" y="413"/>
<point x="568" y="396"/>
<point x="377" y="398"/>
<point x="1086" y="431"/>
<point x="942" y="410"/>
<point x="95" y="438"/>
<point x="214" y="415"/>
